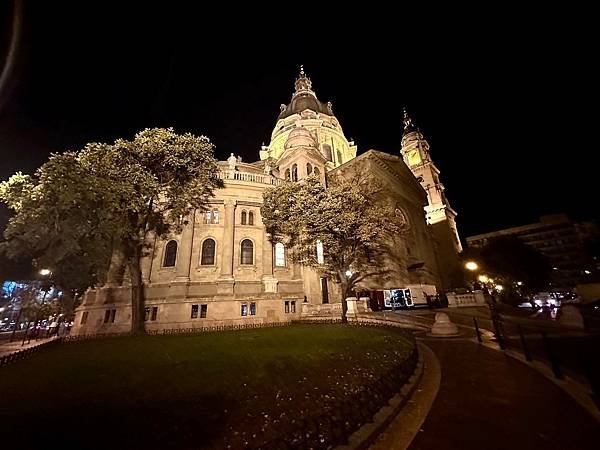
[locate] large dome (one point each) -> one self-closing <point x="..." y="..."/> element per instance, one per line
<point x="304" y="98"/>
<point x="300" y="137"/>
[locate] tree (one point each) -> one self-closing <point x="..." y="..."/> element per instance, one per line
<point x="109" y="198"/>
<point x="346" y="218"/>
<point x="512" y="260"/>
<point x="58" y="223"/>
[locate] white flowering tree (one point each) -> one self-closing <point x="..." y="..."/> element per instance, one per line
<point x="347" y="218"/>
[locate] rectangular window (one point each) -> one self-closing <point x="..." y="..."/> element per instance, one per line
<point x="244" y="309"/>
<point x="203" y="309"/>
<point x="113" y="313"/>
<point x="84" y="317"/>
<point x="252" y="309"/>
<point x="286" y="307"/>
<point x="207" y="217"/>
<point x="106" y="315"/>
<point x="215" y="216"/>
<point x="154" y="312"/>
<point x="194" y="311"/>
<point x="293" y="306"/>
<point x="146" y="313"/>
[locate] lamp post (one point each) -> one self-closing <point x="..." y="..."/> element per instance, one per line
<point x="489" y="299"/>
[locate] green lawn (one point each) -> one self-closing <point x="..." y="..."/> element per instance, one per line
<point x="189" y="391"/>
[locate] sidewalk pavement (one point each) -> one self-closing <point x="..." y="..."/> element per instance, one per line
<point x="489" y="400"/>
<point x="7" y="348"/>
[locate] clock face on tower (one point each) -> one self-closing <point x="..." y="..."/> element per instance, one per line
<point x="414" y="157"/>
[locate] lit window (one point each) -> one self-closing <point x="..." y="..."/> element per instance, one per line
<point x="203" y="309"/>
<point x="208" y="253"/>
<point x="194" y="311"/>
<point x="286" y="306"/>
<point x="207" y="217"/>
<point x="215" y="216"/>
<point x="247" y="252"/>
<point x="244" y="309"/>
<point x="293" y="306"/>
<point x="320" y="258"/>
<point x="250" y="218"/>
<point x="279" y="255"/>
<point x="170" y="254"/>
<point x="243" y="217"/>
<point x="252" y="309"/>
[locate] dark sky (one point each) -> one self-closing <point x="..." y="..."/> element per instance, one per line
<point x="502" y="105"/>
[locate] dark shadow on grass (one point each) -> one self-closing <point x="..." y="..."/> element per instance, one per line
<point x="180" y="424"/>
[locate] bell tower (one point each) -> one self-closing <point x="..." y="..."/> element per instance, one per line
<point x="416" y="155"/>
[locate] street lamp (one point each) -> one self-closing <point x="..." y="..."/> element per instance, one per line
<point x="472" y="266"/>
<point x="45" y="272"/>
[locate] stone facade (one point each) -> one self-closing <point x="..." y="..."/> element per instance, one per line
<point x="222" y="269"/>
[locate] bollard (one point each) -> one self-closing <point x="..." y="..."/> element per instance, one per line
<point x="477" y="330"/>
<point x="526" y="351"/>
<point x="551" y="357"/>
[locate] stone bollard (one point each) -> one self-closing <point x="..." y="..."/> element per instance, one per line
<point x="443" y="327"/>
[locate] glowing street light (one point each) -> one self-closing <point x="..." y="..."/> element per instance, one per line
<point x="483" y="278"/>
<point x="499" y="287"/>
<point x="472" y="266"/>
<point x="348" y="273"/>
<point x="45" y="272"/>
<point x="519" y="283"/>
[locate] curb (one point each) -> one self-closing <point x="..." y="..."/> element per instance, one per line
<point x="368" y="433"/>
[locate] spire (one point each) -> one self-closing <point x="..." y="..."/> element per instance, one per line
<point x="408" y="125"/>
<point x="303" y="83"/>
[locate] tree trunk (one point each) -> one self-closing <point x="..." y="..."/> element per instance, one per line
<point x="344" y="286"/>
<point x="137" y="292"/>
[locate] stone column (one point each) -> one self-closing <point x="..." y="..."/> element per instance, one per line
<point x="116" y="270"/>
<point x="225" y="282"/>
<point x="269" y="281"/>
<point x="184" y="252"/>
<point x="148" y="257"/>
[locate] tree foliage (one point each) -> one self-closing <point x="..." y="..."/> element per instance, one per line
<point x="512" y="260"/>
<point x="106" y="197"/>
<point x="347" y="217"/>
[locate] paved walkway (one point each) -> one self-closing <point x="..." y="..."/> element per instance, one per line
<point x="15" y="346"/>
<point x="489" y="400"/>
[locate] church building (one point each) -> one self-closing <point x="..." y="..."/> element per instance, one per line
<point x="222" y="269"/>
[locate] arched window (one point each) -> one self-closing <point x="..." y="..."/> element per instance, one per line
<point x="243" y="217"/>
<point x="339" y="156"/>
<point x="215" y="217"/>
<point x="287" y="174"/>
<point x="327" y="152"/>
<point x="279" y="255"/>
<point x="208" y="253"/>
<point x="247" y="252"/>
<point x="295" y="172"/>
<point x="170" y="254"/>
<point x="316" y="171"/>
<point x="309" y="169"/>
<point x="250" y="218"/>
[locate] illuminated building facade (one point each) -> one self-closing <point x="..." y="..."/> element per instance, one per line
<point x="223" y="269"/>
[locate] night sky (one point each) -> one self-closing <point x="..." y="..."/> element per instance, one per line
<point x="503" y="107"/>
